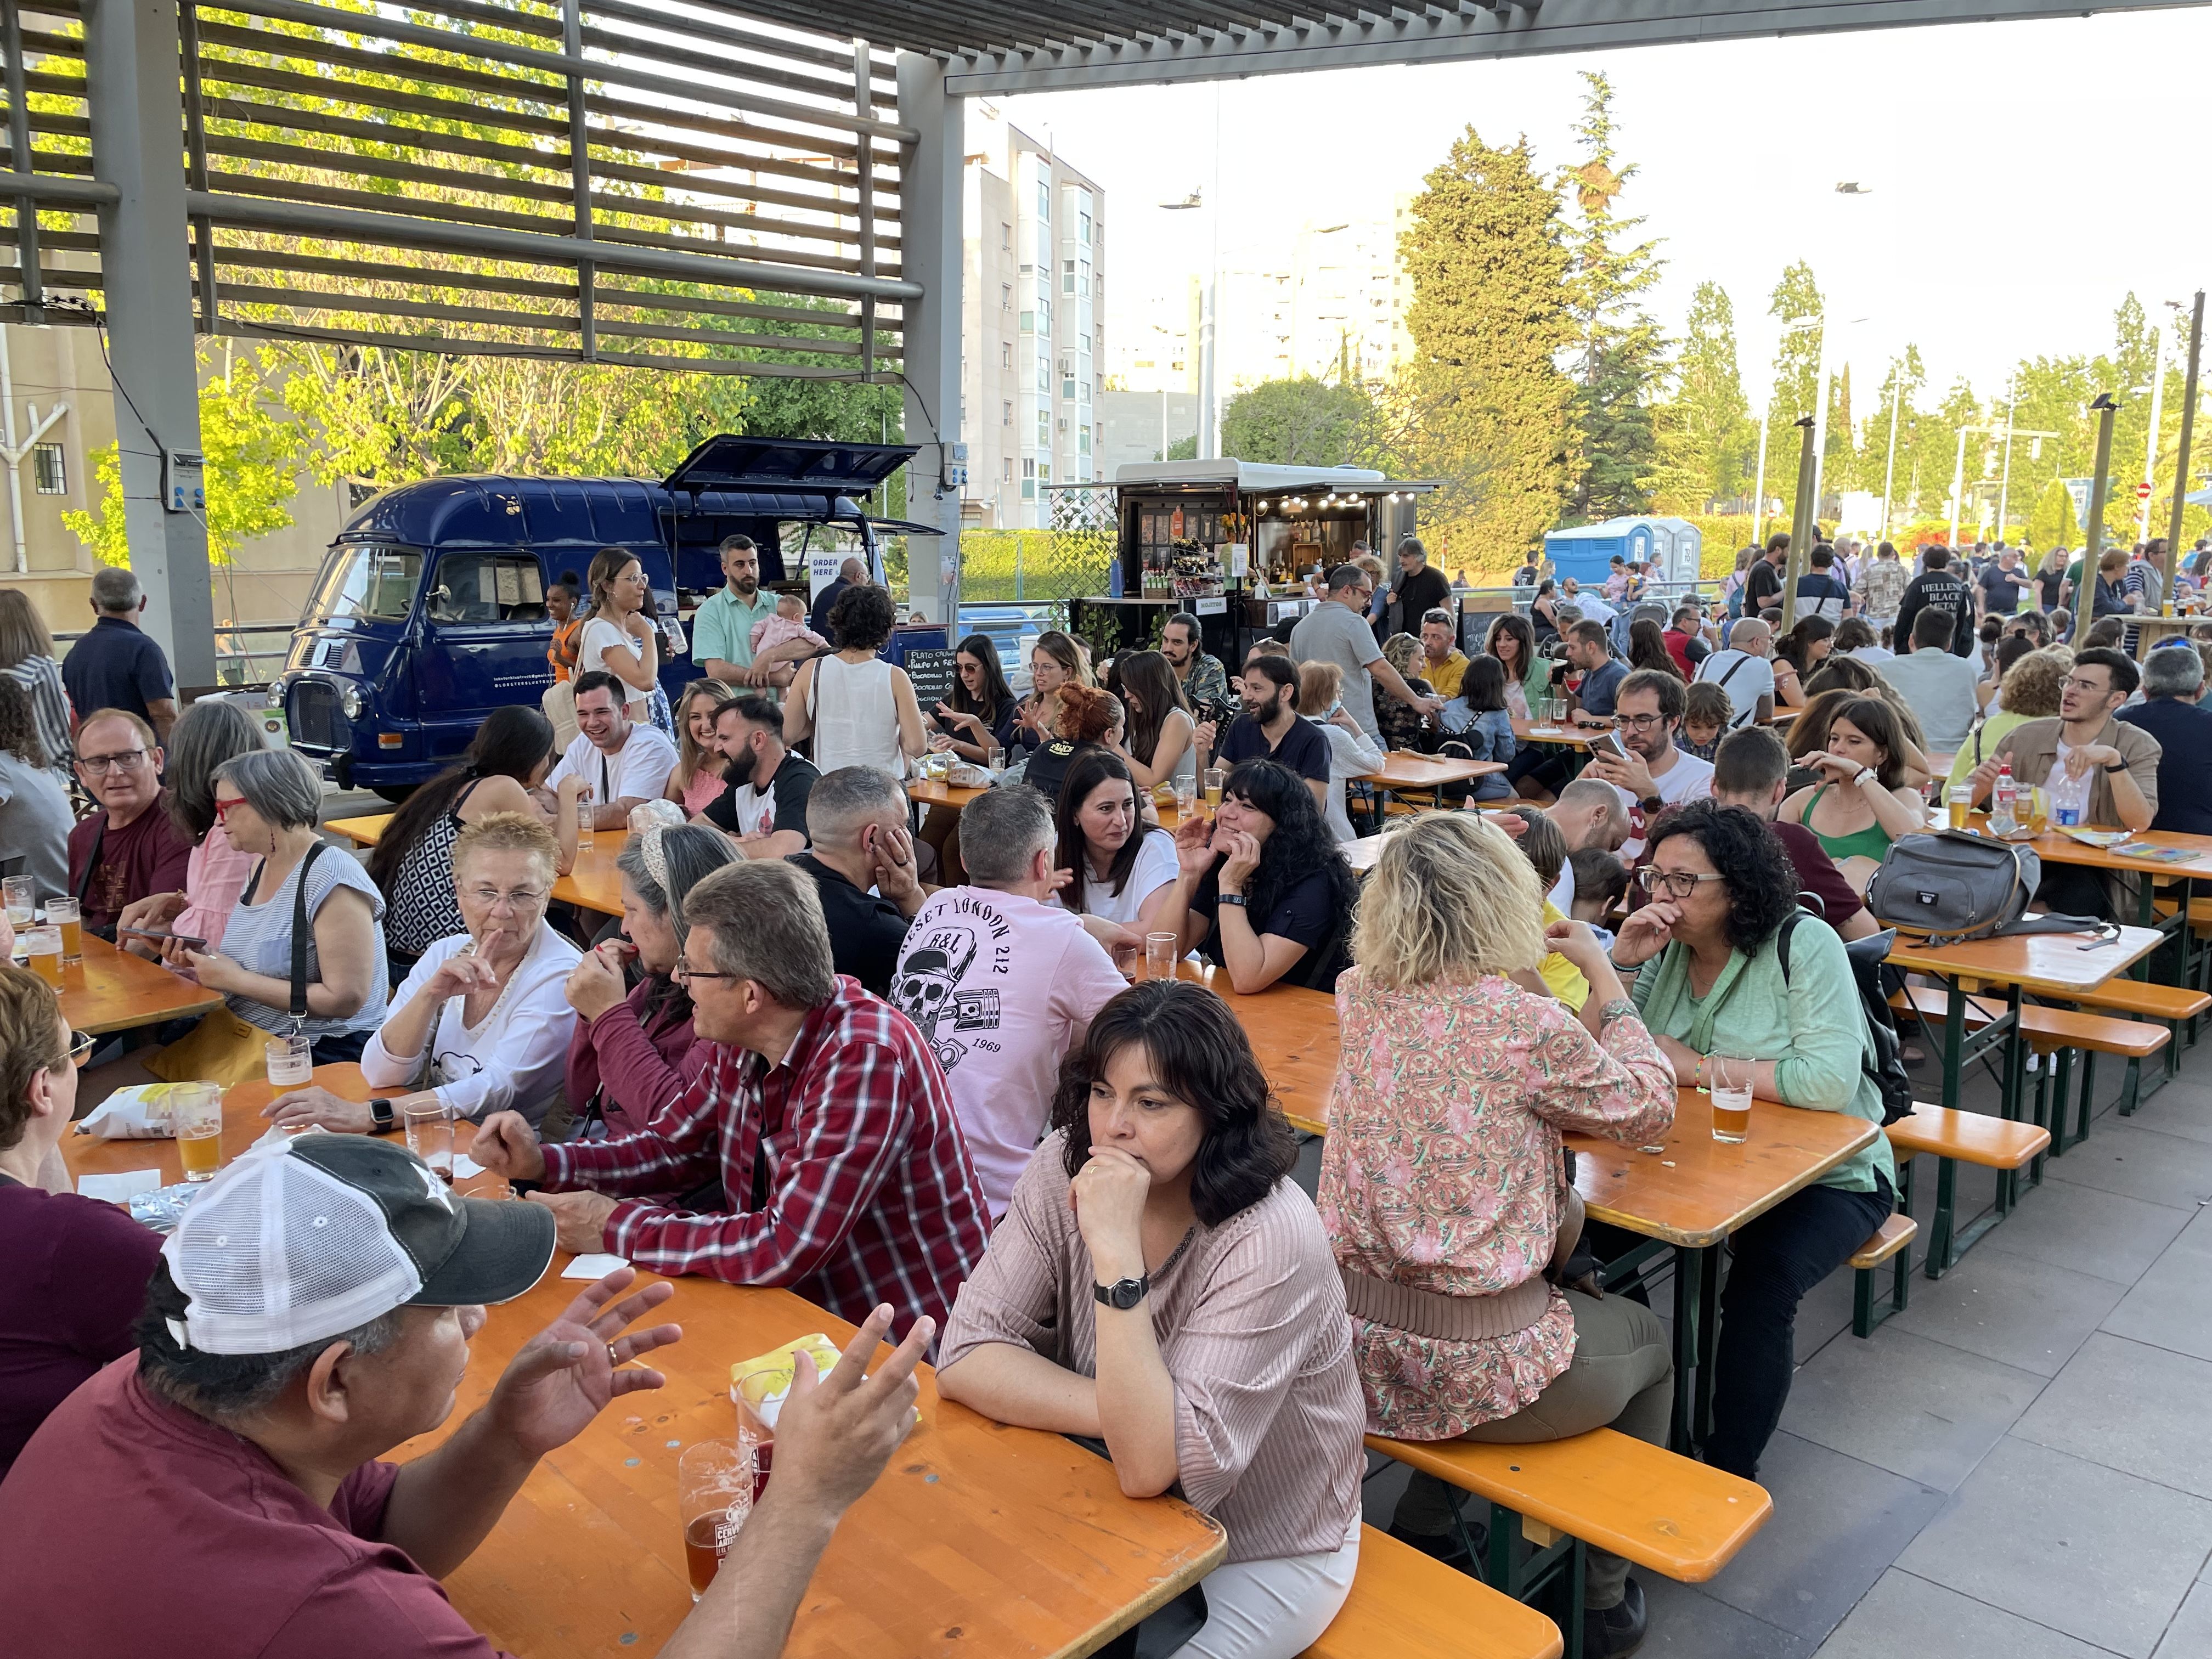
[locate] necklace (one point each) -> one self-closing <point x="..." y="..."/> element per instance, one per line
<point x="1168" y="1264"/>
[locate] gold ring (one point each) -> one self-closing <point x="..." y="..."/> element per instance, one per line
<point x="613" y="1358"/>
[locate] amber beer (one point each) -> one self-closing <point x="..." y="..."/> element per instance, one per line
<point x="1731" y="1078"/>
<point x="63" y="913"/>
<point x="44" y="946"/>
<point x="196" y="1118"/>
<point x="707" y="1540"/>
<point x="715" y="1494"/>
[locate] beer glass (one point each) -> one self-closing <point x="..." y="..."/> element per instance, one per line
<point x="63" y="913"/>
<point x="1160" y="955"/>
<point x="291" y="1062"/>
<point x="715" y="1494"/>
<point x="22" y="901"/>
<point x="1731" y="1076"/>
<point x="430" y="1138"/>
<point x="196" y="1120"/>
<point x="44" y="946"/>
<point x="584" y="818"/>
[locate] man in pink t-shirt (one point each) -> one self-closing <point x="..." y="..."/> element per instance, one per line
<point x="1002" y="984"/>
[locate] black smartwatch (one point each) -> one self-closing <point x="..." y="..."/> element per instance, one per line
<point x="2117" y="766"/>
<point x="1237" y="899"/>
<point x="1653" y="803"/>
<point x="1123" y="1293"/>
<point x="379" y="1114"/>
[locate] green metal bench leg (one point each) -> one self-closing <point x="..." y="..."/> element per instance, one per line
<point x="2042" y="1110"/>
<point x="2088" y="1098"/>
<point x="1868" y="1310"/>
<point x="1939" y="1226"/>
<point x="2131" y="1090"/>
<point x="2062" y="1091"/>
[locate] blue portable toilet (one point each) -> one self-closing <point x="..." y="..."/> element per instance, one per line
<point x="1671" y="546"/>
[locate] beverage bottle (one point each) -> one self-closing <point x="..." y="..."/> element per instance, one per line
<point x="2004" y="820"/>
<point x="2069" y="799"/>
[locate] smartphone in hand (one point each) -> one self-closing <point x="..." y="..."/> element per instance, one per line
<point x="160" y="935"/>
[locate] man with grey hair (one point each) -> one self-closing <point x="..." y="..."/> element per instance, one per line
<point x="127" y="849"/>
<point x="821" y="1111"/>
<point x="2172" y="711"/>
<point x="861" y="857"/>
<point x="1336" y="631"/>
<point x="1743" y="669"/>
<point x="116" y="665"/>
<point x="1002" y="982"/>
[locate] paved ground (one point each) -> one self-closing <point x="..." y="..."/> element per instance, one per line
<point x="2018" y="1466"/>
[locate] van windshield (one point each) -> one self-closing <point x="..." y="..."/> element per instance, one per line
<point x="370" y="583"/>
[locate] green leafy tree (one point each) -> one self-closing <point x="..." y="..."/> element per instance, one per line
<point x="1303" y="422"/>
<point x="1619" y="354"/>
<point x="1706" y="439"/>
<point x="1483" y="406"/>
<point x="1797" y="303"/>
<point x="1906" y="377"/>
<point x="2052" y="523"/>
<point x="253" y="454"/>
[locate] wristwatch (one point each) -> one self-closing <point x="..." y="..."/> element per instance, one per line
<point x="1653" y="803"/>
<point x="379" y="1114"/>
<point x="1860" y="777"/>
<point x="1123" y="1293"/>
<point x="1236" y="899"/>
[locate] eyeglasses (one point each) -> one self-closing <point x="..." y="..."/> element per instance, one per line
<point x="80" y="1048"/>
<point x="523" y="899"/>
<point x="2092" y="688"/>
<point x="222" y="807"/>
<point x="684" y="973"/>
<point x="128" y="761"/>
<point x="1674" y="884"/>
<point x="1641" y="723"/>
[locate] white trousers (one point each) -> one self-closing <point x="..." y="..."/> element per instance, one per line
<point x="1274" y="1609"/>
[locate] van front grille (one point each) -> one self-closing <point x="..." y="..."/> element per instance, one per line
<point x="317" y="724"/>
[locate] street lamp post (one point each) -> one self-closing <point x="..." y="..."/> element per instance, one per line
<point x="2085" y="601"/>
<point x="2150" y="444"/>
<point x="1801" y="526"/>
<point x="2004" y="483"/>
<point x="2188" y="429"/>
<point x="1889" y="469"/>
<point x="1207" y="436"/>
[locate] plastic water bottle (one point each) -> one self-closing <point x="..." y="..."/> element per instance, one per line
<point x="2069" y="799"/>
<point x="2004" y="820"/>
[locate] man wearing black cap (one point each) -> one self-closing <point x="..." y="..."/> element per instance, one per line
<point x="312" y="1310"/>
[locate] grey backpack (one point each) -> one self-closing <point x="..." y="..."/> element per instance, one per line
<point x="1955" y="886"/>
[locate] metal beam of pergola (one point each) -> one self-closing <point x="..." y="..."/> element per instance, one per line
<point x="682" y="184"/>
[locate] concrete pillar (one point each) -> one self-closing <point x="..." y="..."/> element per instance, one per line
<point x="137" y="146"/>
<point x="930" y="193"/>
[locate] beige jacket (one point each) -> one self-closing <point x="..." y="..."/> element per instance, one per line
<point x="2033" y="746"/>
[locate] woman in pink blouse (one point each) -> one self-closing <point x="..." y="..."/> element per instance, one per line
<point x="1158" y="1282"/>
<point x="1442" y="1181"/>
<point x="209" y="734"/>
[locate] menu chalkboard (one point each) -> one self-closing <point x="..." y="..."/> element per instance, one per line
<point x="932" y="672"/>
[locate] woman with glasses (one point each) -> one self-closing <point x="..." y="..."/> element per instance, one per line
<point x="631" y="1052"/>
<point x="479" y="1024"/>
<point x="1708" y="955"/>
<point x="76" y="1268"/>
<point x="269" y="804"/>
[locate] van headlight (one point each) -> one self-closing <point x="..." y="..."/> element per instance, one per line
<point x="350" y="699"/>
<point x="277" y="694"/>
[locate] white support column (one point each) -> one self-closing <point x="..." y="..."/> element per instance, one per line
<point x="930" y="229"/>
<point x="138" y="127"/>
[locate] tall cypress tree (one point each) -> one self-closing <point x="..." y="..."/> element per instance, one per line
<point x="1487" y="409"/>
<point x="1796" y="303"/>
<point x="1618" y="353"/>
<point x="1706" y="435"/>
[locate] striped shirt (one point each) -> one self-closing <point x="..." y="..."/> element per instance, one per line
<point x="1251" y="1326"/>
<point x="865" y="1192"/>
<point x="42" y="677"/>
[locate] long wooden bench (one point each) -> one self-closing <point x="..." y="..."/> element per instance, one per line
<point x="1955" y="1137"/>
<point x="1406" y="1605"/>
<point x="2171" y="1006"/>
<point x="1892" y="1242"/>
<point x="1681" y="1519"/>
<point x="2063" y="1033"/>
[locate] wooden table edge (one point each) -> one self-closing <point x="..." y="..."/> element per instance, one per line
<point x="1707" y="1240"/>
<point x="182" y="1010"/>
<point x="1152" y="1600"/>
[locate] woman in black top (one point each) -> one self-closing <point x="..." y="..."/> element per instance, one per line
<point x="1544" y="612"/>
<point x="1268" y="853"/>
<point x="978" y="717"/>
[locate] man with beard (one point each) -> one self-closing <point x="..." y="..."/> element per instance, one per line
<point x="722" y="632"/>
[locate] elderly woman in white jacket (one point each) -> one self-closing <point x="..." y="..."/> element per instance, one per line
<point x="482" y="1023"/>
<point x="1352" y="752"/>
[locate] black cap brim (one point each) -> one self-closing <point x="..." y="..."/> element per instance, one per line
<point x="506" y="1248"/>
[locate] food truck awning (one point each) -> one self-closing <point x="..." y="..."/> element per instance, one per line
<point x="1262" y="478"/>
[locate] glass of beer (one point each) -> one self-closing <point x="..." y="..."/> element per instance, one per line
<point x="22" y="895"/>
<point x="63" y="913"/>
<point x="430" y="1138"/>
<point x="584" y="818"/>
<point x="1214" y="774"/>
<point x="1961" y="801"/>
<point x="715" y="1494"/>
<point x="1160" y="955"/>
<point x="2039" y="810"/>
<point x="44" y="946"/>
<point x="291" y="1062"/>
<point x="1731" y="1076"/>
<point x="196" y="1119"/>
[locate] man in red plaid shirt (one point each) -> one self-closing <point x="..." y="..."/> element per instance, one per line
<point x="823" y="1112"/>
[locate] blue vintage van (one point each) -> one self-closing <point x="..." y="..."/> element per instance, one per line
<point x="429" y="611"/>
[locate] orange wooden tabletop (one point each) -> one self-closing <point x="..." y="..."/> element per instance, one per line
<point x="362" y="831"/>
<point x="2053" y="846"/>
<point x="2053" y="965"/>
<point x="112" y="990"/>
<point x="1562" y="736"/>
<point x="1401" y="770"/>
<point x="935" y="792"/>
<point x="593" y="885"/>
<point x="978" y="1539"/>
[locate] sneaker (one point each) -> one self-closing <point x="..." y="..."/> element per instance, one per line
<point x="1445" y="1546"/>
<point x="1619" y="1630"/>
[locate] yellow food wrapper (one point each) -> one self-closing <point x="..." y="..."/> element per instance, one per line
<point x="760" y="1385"/>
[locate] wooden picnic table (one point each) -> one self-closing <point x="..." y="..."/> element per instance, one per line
<point x="1563" y="736"/>
<point x="1403" y="771"/>
<point x="112" y="990"/>
<point x="593" y="884"/>
<point x="979" y="1538"/>
<point x="2153" y="631"/>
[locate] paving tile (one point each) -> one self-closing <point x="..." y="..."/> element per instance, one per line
<point x="2124" y="1156"/>
<point x="2130" y="1407"/>
<point x="2023" y="1312"/>
<point x="2171" y="1305"/>
<point x="2095" y="1552"/>
<point x="1903" y="1617"/>
<point x="1838" y="1524"/>
<point x="2190" y="1635"/>
<point x="2073" y="1225"/>
<point x="1916" y="1408"/>
<point x="1686" y="1623"/>
<point x="2180" y="1108"/>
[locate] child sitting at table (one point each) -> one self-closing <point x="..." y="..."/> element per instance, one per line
<point x="786" y="635"/>
<point x="1705" y="715"/>
<point x="1600" y="883"/>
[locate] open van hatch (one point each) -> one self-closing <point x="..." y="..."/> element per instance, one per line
<point x="810" y="465"/>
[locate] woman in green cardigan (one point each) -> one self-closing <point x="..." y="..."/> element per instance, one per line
<point x="1513" y="642"/>
<point x="1708" y="973"/>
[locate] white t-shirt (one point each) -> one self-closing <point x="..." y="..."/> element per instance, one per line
<point x="1687" y="779"/>
<point x="1747" y="678"/>
<point x="1870" y="653"/>
<point x="1939" y="688"/>
<point x="1593" y="608"/>
<point x="639" y="772"/>
<point x="1563" y="890"/>
<point x="1001" y="987"/>
<point x="590" y="651"/>
<point x="1154" y="869"/>
<point x="515" y="1060"/>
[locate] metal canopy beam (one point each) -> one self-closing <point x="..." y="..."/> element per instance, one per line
<point x="1299" y="42"/>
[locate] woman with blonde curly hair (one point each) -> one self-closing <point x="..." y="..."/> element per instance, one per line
<point x="481" y="1024"/>
<point x="2029" y="691"/>
<point x="1443" y="1186"/>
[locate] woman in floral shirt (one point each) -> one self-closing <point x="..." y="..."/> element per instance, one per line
<point x="1441" y="1182"/>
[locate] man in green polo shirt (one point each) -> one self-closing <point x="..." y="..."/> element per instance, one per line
<point x="722" y="631"/>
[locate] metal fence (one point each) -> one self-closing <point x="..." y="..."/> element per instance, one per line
<point x="1042" y="570"/>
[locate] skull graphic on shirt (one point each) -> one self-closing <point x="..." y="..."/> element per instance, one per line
<point x="926" y="989"/>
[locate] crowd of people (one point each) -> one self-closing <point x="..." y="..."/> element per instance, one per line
<point x="911" y="1079"/>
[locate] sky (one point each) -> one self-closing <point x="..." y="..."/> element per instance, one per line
<point x="2021" y="177"/>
